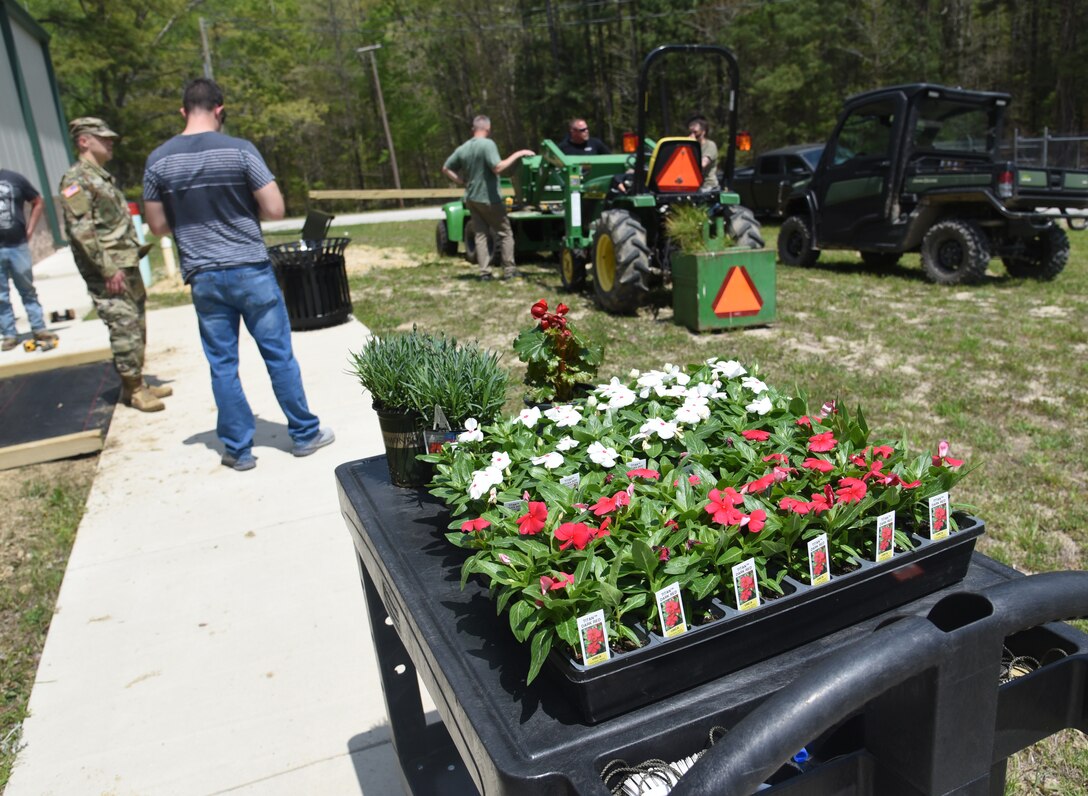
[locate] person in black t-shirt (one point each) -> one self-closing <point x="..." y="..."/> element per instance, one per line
<point x="579" y="142"/>
<point x="15" y="266"/>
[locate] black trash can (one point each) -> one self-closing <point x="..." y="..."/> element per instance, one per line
<point x="314" y="279"/>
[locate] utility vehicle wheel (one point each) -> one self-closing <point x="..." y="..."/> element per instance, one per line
<point x="955" y="253"/>
<point x="1044" y="257"/>
<point x="621" y="261"/>
<point x="572" y="269"/>
<point x="442" y="242"/>
<point x="880" y="259"/>
<point x="743" y="228"/>
<point x="795" y="243"/>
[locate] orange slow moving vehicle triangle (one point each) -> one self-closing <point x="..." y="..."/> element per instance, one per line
<point x="681" y="171"/>
<point x="738" y="295"/>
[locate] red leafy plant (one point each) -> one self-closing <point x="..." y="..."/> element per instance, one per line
<point x="558" y="358"/>
<point x="674" y="475"/>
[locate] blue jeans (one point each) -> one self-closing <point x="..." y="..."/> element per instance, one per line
<point x="250" y="293"/>
<point x="15" y="265"/>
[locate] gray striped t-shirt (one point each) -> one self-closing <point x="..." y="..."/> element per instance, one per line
<point x="206" y="183"/>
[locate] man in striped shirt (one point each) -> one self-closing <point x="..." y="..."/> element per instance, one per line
<point x="212" y="190"/>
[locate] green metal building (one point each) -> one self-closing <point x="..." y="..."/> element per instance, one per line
<point x="33" y="130"/>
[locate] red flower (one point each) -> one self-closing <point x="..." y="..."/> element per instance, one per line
<point x="594" y="641"/>
<point x="874" y="472"/>
<point x="883" y="451"/>
<point x="852" y="490"/>
<point x="939" y="517"/>
<point x="759" y="484"/>
<point x="663" y="554"/>
<point x="551" y="584"/>
<point x="822" y="502"/>
<point x="781" y="458"/>
<point x="747" y="586"/>
<point x="885" y="538"/>
<point x="754" y="435"/>
<point x="819" y="561"/>
<point x="722" y="506"/>
<point x="642" y="472"/>
<point x="672" y="613"/>
<point x="828" y="408"/>
<point x="533" y="522"/>
<point x="609" y="504"/>
<point x="477" y="524"/>
<point x="756" y="520"/>
<point x="943" y="458"/>
<point x="602" y="529"/>
<point x="823" y="465"/>
<point x="562" y="309"/>
<point x="795" y="505"/>
<point x="540" y="309"/>
<point x="574" y="533"/>
<point x="804" y="420"/>
<point x="821" y="443"/>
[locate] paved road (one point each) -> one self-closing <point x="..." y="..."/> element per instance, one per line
<point x="373" y="217"/>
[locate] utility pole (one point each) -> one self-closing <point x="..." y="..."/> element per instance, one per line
<point x="372" y="49"/>
<point x="207" y="53"/>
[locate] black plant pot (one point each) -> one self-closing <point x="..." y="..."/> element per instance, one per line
<point x="402" y="433"/>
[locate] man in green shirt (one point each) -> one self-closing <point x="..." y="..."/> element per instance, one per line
<point x="476" y="165"/>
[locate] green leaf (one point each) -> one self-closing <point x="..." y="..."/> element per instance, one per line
<point x="643" y="557"/>
<point x="539" y="648"/>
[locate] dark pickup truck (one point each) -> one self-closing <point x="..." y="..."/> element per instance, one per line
<point x="765" y="186"/>
<point x="917" y="168"/>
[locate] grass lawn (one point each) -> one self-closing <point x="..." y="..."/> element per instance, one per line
<point x="997" y="369"/>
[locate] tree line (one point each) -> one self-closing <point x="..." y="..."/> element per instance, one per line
<point x="297" y="88"/>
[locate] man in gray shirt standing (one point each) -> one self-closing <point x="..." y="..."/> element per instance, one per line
<point x="476" y="165"/>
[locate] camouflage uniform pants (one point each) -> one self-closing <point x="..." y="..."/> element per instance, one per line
<point x="124" y="315"/>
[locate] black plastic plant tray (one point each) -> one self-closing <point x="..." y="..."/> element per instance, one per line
<point x="664" y="667"/>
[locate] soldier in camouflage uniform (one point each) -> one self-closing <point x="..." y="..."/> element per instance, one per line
<point x="107" y="253"/>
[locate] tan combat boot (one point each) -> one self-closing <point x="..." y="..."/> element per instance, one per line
<point x="159" y="390"/>
<point x="134" y="393"/>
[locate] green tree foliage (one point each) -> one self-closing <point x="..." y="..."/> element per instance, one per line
<point x="296" y="86"/>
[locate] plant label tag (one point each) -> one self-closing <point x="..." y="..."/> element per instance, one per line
<point x="515" y="506"/>
<point x="671" y="610"/>
<point x="636" y="464"/>
<point x="938" y="516"/>
<point x="593" y="635"/>
<point x="745" y="585"/>
<point x="885" y="537"/>
<point x="818" y="571"/>
<point x="571" y="481"/>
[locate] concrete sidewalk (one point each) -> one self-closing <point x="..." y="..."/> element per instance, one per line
<point x="210" y="635"/>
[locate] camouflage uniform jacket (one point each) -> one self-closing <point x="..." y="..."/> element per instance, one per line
<point x="100" y="228"/>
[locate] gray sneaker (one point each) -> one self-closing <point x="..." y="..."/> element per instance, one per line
<point x="246" y="461"/>
<point x="324" y="437"/>
<point x="9" y="343"/>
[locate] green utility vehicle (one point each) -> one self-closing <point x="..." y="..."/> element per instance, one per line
<point x="606" y="214"/>
<point x="917" y="168"/>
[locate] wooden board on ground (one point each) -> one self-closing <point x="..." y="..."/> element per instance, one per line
<point x="56" y="414"/>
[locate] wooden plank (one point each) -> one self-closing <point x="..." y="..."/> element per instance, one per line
<point x="48" y="450"/>
<point x="404" y="193"/>
<point x="37" y="361"/>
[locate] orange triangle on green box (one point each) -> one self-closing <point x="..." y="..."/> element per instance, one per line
<point x="738" y="295"/>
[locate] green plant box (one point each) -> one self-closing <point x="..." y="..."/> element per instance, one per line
<point x="721" y="290"/>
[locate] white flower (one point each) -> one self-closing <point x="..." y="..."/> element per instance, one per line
<point x="591" y="401"/>
<point x="730" y="369"/>
<point x="760" y="406"/>
<point x="618" y="395"/>
<point x="675" y="391"/>
<point x="564" y="415"/>
<point x="482" y="480"/>
<point x="566" y="444"/>
<point x="633" y="374"/>
<point x="656" y="425"/>
<point x="753" y="384"/>
<point x="694" y="410"/>
<point x="550" y="460"/>
<point x="651" y="378"/>
<point x="472" y="432"/>
<point x="605" y="457"/>
<point x="701" y="390"/>
<point x="500" y="459"/>
<point x="529" y="417"/>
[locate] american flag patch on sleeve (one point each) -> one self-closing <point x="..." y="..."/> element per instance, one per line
<point x="71" y="190"/>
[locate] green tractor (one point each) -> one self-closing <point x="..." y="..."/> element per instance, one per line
<point x="607" y="215"/>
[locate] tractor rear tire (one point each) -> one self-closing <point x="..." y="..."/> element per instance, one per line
<point x="743" y="228"/>
<point x="1045" y="256"/>
<point x="572" y="269"/>
<point x="442" y="242"/>
<point x="795" y="243"/>
<point x="621" y="262"/>
<point x="880" y="259"/>
<point x="955" y="252"/>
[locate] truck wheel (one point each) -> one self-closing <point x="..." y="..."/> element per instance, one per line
<point x="572" y="269"/>
<point x="880" y="259"/>
<point x="955" y="253"/>
<point x="744" y="229"/>
<point x="795" y="243"/>
<point x="1044" y="258"/>
<point x="621" y="261"/>
<point x="442" y="242"/>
